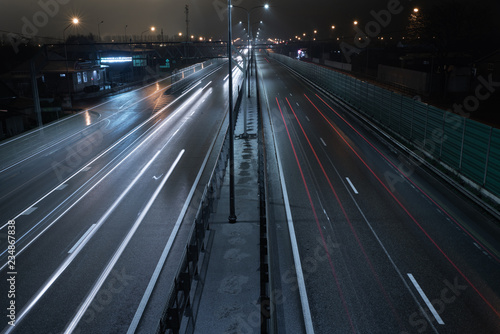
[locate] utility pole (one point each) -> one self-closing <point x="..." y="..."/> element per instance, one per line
<point x="187" y="23"/>
<point x="232" y="213"/>
<point x="36" y="98"/>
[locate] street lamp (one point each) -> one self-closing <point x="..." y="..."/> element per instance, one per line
<point x="74" y="21"/>
<point x="150" y="29"/>
<point x="232" y="214"/>
<point x="355" y="23"/>
<point x="416" y="10"/>
<point x="248" y="11"/>
<point x="99" y="30"/>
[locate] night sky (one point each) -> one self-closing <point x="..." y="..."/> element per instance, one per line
<point x="284" y="19"/>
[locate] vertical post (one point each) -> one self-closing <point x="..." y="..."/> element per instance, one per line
<point x="390" y="111"/>
<point x="442" y="134"/>
<point x="412" y="117"/>
<point x="426" y="122"/>
<point x="36" y="99"/>
<point x="487" y="157"/>
<point x="400" y="113"/>
<point x="462" y="148"/>
<point x="67" y="71"/>
<point x="248" y="57"/>
<point x="232" y="214"/>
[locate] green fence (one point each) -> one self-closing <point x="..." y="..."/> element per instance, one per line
<point x="469" y="147"/>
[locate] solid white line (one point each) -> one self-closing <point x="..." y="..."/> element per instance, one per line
<point x="62" y="186"/>
<point x="324" y="144"/>
<point x="84" y="306"/>
<point x="306" y="312"/>
<point x="101" y="104"/>
<point x="296" y="256"/>
<point x="166" y="250"/>
<point x="166" y="121"/>
<point x="29" y="211"/>
<point x="106" y="151"/>
<point x="208" y="84"/>
<point x="161" y="262"/>
<point x="426" y="300"/>
<point x="31" y="303"/>
<point x="352" y="186"/>
<point x="82" y="239"/>
<point x="401" y="277"/>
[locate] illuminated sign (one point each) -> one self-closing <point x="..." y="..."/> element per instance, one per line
<point x="116" y="59"/>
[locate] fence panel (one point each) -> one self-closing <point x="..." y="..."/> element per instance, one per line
<point x="493" y="175"/>
<point x="460" y="143"/>
<point x="452" y="144"/>
<point x="406" y="120"/>
<point x="475" y="149"/>
<point x="435" y="123"/>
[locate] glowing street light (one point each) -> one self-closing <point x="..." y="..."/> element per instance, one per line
<point x="333" y="27"/>
<point x="74" y="21"/>
<point x="99" y="30"/>
<point x="355" y="23"/>
<point x="416" y="10"/>
<point x="249" y="31"/>
<point x="150" y="29"/>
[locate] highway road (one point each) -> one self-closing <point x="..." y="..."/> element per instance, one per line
<point x="380" y="245"/>
<point x="96" y="199"/>
<point x="361" y="240"/>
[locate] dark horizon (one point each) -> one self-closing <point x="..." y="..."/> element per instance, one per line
<point x="283" y="20"/>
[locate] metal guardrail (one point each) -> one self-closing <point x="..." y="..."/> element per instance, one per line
<point x="469" y="148"/>
<point x="264" y="299"/>
<point x="179" y="303"/>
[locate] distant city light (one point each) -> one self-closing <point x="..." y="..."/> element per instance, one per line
<point x="110" y="60"/>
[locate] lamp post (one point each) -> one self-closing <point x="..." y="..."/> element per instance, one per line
<point x="232" y="213"/>
<point x="74" y="21"/>
<point x="142" y="33"/>
<point x="99" y="30"/>
<point x="126" y="33"/>
<point x="266" y="6"/>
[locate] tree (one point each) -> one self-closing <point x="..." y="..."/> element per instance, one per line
<point x="454" y="25"/>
